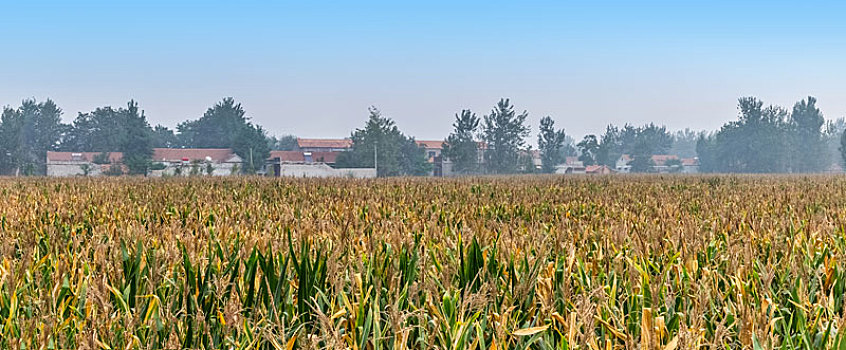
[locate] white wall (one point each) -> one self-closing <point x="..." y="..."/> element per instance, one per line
<point x="71" y="168"/>
<point x="323" y="170"/>
<point x="219" y="169"/>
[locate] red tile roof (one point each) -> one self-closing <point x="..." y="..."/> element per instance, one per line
<point x="598" y="169"/>
<point x="324" y="143"/>
<point x="661" y="159"/>
<point x="325" y="157"/>
<point x="287" y="156"/>
<point x="217" y="155"/>
<point x="114" y="157"/>
<point x="690" y="161"/>
<point x="431" y="144"/>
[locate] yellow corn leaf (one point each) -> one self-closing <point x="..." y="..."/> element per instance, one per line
<point x="560" y="319"/>
<point x="339" y="314"/>
<point x="275" y="344"/>
<point x="592" y="343"/>
<point x="646" y="329"/>
<point x="673" y="344"/>
<point x="530" y="331"/>
<point x="617" y="333"/>
<point x="151" y="308"/>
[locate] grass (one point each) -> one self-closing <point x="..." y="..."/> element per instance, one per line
<point x="673" y="262"/>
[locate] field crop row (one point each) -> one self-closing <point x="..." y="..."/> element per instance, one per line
<point x="674" y="262"/>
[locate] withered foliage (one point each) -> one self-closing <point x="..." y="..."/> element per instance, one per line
<point x="673" y="262"/>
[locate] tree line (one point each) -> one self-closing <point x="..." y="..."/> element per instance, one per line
<point x="492" y="144"/>
<point x="28" y="132"/>
<point x="762" y="140"/>
<point x="773" y="139"/>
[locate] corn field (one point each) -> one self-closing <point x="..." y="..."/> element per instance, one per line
<point x="673" y="262"/>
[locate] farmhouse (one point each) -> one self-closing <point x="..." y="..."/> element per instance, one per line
<point x="661" y="163"/>
<point x="690" y="165"/>
<point x="440" y="165"/>
<point x="166" y="162"/>
<point x="599" y="170"/>
<point x="83" y="163"/>
<point x="195" y="161"/>
<point x="572" y="165"/>
<point x="312" y="164"/>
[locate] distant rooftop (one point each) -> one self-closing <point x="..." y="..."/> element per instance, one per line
<point x="324" y="143"/>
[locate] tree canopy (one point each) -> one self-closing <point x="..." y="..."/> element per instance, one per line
<point x="504" y="131"/>
<point x="767" y="139"/>
<point x="461" y="146"/>
<point x="26" y="134"/>
<point x="550" y="144"/>
<point x="380" y="143"/>
<point x="640" y="143"/>
<point x="225" y="125"/>
<point x="107" y="129"/>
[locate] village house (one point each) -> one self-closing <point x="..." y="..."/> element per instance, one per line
<point x="666" y="163"/>
<point x="690" y="165"/>
<point x="599" y="170"/>
<point x="195" y="161"/>
<point x="572" y="165"/>
<point x="83" y="163"/>
<point x="166" y="162"/>
<point x="623" y="164"/>
<point x="661" y="163"/>
<point x="312" y="164"/>
<point x="440" y="165"/>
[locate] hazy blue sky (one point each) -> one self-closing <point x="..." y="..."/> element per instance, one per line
<point x="312" y="68"/>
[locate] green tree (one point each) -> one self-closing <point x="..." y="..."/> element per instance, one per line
<point x="684" y="143"/>
<point x="137" y="147"/>
<point x="461" y="147"/>
<point x="101" y="130"/>
<point x="588" y="149"/>
<point x="638" y="142"/>
<point x="504" y="132"/>
<point x="397" y="155"/>
<point x="250" y="144"/>
<point x="11" y="137"/>
<point x="569" y="149"/>
<point x="641" y="164"/>
<point x="107" y="129"/>
<point x="164" y="137"/>
<point x="843" y="147"/>
<point x="647" y="141"/>
<point x="808" y="143"/>
<point x="756" y="143"/>
<point x="833" y="132"/>
<point x="611" y="144"/>
<point x="675" y="165"/>
<point x="225" y="125"/>
<point x="283" y="143"/>
<point x="551" y="144"/>
<point x="27" y="133"/>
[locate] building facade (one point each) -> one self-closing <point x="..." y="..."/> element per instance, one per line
<point x="166" y="162"/>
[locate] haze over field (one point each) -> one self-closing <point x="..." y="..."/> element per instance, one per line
<point x="312" y="69"/>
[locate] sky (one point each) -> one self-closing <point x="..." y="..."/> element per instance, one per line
<point x="312" y="68"/>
